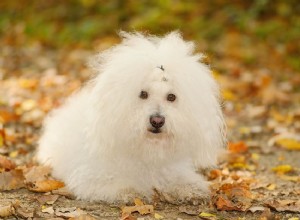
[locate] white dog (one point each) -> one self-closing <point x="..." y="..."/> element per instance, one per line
<point x="148" y="120"/>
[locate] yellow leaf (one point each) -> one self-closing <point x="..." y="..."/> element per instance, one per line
<point x="228" y="95"/>
<point x="281" y="169"/>
<point x="242" y="166"/>
<point x="255" y="156"/>
<point x="294" y="218"/>
<point x="158" y="216"/>
<point x="205" y="214"/>
<point x="138" y="202"/>
<point x="28" y="105"/>
<point x="28" y="83"/>
<point x="13" y="154"/>
<point x="244" y="130"/>
<point x="1" y="140"/>
<point x="271" y="186"/>
<point x="290" y="144"/>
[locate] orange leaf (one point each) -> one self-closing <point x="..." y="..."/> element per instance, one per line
<point x="45" y="185"/>
<point x="6" y="164"/>
<point x="238" y="147"/>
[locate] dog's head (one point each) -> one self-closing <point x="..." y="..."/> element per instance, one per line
<point x="153" y="95"/>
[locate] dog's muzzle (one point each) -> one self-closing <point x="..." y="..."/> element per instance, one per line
<point x="156" y="121"/>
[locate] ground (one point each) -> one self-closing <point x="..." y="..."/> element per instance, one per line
<point x="253" y="50"/>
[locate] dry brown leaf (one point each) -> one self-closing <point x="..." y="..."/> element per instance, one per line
<point x="45" y="185"/>
<point x="6" y="164"/>
<point x="47" y="199"/>
<point x="69" y="212"/>
<point x="236" y="189"/>
<point x="13" y="179"/>
<point x="284" y="205"/>
<point x="139" y="207"/>
<point x="24" y="213"/>
<point x="236" y="196"/>
<point x="144" y="209"/>
<point x="36" y="173"/>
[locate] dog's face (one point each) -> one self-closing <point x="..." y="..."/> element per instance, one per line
<point x="156" y="97"/>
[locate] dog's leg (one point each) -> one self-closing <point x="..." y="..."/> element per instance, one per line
<point x="183" y="185"/>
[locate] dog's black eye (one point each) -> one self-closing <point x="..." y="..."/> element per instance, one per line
<point x="171" y="97"/>
<point x="144" y="95"/>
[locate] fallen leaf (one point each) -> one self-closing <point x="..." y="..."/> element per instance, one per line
<point x="48" y="210"/>
<point x="13" y="179"/>
<point x="236" y="196"/>
<point x="238" y="147"/>
<point x="284" y="205"/>
<point x="1" y="134"/>
<point x="138" y="202"/>
<point x="281" y="169"/>
<point x="24" y="213"/>
<point x="69" y="212"/>
<point x="139" y="207"/>
<point x="228" y="95"/>
<point x="206" y="215"/>
<point x="214" y="174"/>
<point x="6" y="211"/>
<point x="45" y="185"/>
<point x="28" y="105"/>
<point x="289" y="144"/>
<point x="28" y="83"/>
<point x="47" y="199"/>
<point x="158" y="216"/>
<point x="36" y="173"/>
<point x="271" y="186"/>
<point x="256" y="208"/>
<point x="6" y="164"/>
<point x="7" y="116"/>
<point x="14" y="154"/>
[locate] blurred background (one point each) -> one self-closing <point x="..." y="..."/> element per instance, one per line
<point x="257" y="33"/>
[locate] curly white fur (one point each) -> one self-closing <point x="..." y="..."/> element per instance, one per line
<point x="99" y="141"/>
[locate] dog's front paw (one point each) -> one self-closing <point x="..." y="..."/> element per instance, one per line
<point x="185" y="194"/>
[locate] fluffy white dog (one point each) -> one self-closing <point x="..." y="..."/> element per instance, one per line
<point x="148" y="120"/>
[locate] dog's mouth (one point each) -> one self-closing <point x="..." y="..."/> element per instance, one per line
<point x="154" y="130"/>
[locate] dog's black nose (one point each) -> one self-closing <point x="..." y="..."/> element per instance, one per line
<point x="157" y="121"/>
